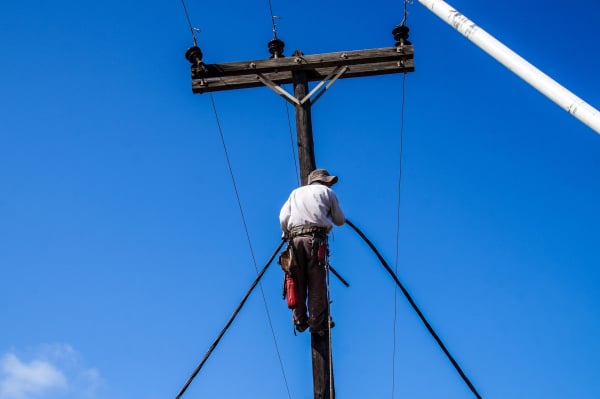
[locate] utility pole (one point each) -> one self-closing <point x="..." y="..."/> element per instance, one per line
<point x="300" y="69"/>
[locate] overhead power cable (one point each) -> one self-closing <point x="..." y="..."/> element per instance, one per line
<point x="229" y="322"/>
<point x="273" y="20"/>
<point x="416" y="309"/>
<point x="239" y="201"/>
<point x="401" y="149"/>
<point x="287" y="110"/>
<point x="192" y="29"/>
<point x="397" y="260"/>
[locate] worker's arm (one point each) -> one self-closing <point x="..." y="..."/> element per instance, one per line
<point x="337" y="216"/>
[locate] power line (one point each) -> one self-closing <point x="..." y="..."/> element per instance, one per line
<point x="401" y="150"/>
<point x="398" y="232"/>
<point x="273" y="17"/>
<point x="192" y="29"/>
<point x="287" y="110"/>
<point x="239" y="202"/>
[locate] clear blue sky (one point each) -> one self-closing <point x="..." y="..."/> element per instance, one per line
<point x="122" y="248"/>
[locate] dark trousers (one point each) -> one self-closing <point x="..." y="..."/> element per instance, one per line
<point x="312" y="284"/>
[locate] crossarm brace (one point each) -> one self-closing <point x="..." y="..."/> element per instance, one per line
<point x="333" y="76"/>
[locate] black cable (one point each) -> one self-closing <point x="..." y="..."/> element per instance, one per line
<point x="416" y="308"/>
<point x="233" y="316"/>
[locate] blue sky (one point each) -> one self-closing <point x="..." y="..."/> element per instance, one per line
<point x="122" y="247"/>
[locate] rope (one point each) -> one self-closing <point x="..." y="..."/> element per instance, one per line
<point x="249" y="242"/>
<point x="416" y="309"/>
<point x="224" y="330"/>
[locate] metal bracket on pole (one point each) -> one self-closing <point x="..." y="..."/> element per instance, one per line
<point x="337" y="72"/>
<point x="277" y="89"/>
<point x="333" y="76"/>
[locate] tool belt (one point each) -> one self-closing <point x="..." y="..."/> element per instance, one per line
<point x="308" y="231"/>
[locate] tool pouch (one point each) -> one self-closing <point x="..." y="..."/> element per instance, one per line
<point x="291" y="292"/>
<point x="287" y="261"/>
<point x="322" y="252"/>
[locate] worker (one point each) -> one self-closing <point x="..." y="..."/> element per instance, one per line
<point x="306" y="218"/>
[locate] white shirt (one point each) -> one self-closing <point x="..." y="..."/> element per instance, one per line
<point x="311" y="205"/>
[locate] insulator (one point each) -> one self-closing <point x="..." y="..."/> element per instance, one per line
<point x="276" y="48"/>
<point x="194" y="55"/>
<point x="400" y="33"/>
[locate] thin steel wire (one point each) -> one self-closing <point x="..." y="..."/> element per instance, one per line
<point x="239" y="201"/>
<point x="228" y="324"/>
<point x="273" y="20"/>
<point x="192" y="29"/>
<point x="331" y="395"/>
<point x="401" y="150"/>
<point x="398" y="233"/>
<point x="287" y="110"/>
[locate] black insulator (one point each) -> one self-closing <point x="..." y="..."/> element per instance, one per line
<point x="194" y="55"/>
<point x="276" y="48"/>
<point x="400" y="33"/>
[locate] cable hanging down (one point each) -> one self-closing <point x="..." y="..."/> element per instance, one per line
<point x="239" y="201"/>
<point x="229" y="322"/>
<point x="416" y="309"/>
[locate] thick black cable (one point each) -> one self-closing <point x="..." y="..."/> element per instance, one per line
<point x="233" y="316"/>
<point x="416" y="309"/>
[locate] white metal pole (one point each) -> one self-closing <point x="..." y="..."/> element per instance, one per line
<point x="526" y="71"/>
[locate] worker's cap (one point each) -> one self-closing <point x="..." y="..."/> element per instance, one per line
<point x="323" y="176"/>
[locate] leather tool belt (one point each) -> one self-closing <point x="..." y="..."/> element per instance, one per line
<point x="308" y="231"/>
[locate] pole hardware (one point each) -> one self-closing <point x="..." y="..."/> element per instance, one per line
<point x="276" y="48"/>
<point x="400" y="33"/>
<point x="334" y="75"/>
<point x="242" y="74"/>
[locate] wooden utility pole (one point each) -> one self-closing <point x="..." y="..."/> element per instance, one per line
<point x="300" y="69"/>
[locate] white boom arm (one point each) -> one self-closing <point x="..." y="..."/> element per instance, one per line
<point x="511" y="60"/>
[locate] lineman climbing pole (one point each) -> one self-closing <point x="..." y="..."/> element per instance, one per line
<point x="300" y="69"/>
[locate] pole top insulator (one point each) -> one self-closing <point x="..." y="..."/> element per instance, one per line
<point x="400" y="33"/>
<point x="194" y="55"/>
<point x="276" y="48"/>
